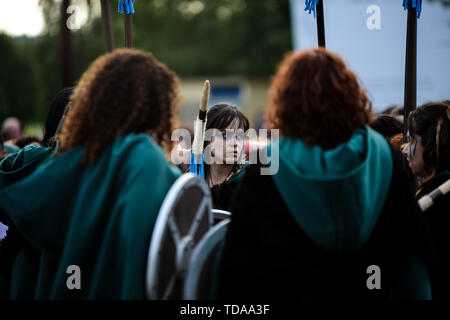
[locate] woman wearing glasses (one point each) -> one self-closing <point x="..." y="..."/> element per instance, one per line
<point x="224" y="151"/>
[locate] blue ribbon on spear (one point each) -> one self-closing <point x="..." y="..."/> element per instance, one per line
<point x="126" y="4"/>
<point x="127" y="8"/>
<point x="197" y="165"/>
<point x="313" y="5"/>
<point x="417" y="4"/>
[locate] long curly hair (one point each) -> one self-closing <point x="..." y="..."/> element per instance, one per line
<point x="316" y="98"/>
<point x="126" y="91"/>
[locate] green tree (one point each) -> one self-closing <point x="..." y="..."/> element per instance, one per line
<point x="193" y="37"/>
<point x="17" y="88"/>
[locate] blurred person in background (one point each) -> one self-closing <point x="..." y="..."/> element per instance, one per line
<point x="54" y="115"/>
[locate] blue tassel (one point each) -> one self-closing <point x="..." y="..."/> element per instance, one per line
<point x="129" y="6"/>
<point x="310" y="5"/>
<point x="197" y="167"/>
<point x="415" y="4"/>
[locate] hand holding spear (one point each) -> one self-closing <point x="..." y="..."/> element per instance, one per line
<point x="196" y="166"/>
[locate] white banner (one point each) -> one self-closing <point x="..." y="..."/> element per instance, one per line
<point x="371" y="37"/>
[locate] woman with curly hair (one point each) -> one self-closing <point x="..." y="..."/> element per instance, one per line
<point x="428" y="155"/>
<point x="336" y="210"/>
<point x="91" y="207"/>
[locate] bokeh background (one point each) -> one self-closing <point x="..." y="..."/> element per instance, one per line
<point x="234" y="43"/>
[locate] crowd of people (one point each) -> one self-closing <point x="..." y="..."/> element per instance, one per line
<point x="344" y="197"/>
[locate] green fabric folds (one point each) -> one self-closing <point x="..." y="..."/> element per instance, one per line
<point x="20" y="164"/>
<point x="336" y="195"/>
<point x="99" y="218"/>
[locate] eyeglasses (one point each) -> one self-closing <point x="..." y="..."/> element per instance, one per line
<point x="230" y="134"/>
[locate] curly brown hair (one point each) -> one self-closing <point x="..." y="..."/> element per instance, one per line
<point x="316" y="98"/>
<point x="126" y="91"/>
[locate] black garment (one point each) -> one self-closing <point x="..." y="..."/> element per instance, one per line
<point x="438" y="219"/>
<point x="268" y="256"/>
<point x="222" y="195"/>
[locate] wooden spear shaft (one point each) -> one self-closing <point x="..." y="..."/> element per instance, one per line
<point x="106" y="15"/>
<point x="320" y="24"/>
<point x="128" y="27"/>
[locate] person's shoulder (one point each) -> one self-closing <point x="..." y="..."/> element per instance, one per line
<point x="140" y="147"/>
<point x="141" y="151"/>
<point x="139" y="156"/>
<point x="254" y="181"/>
<point x="10" y="148"/>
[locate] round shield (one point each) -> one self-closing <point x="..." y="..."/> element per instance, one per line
<point x="200" y="273"/>
<point x="184" y="218"/>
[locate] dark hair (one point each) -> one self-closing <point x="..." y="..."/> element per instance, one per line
<point x="432" y="123"/>
<point x="26" y="140"/>
<point x="220" y="116"/>
<point x="125" y="91"/>
<point x="315" y="97"/>
<point x="387" y="125"/>
<point x="55" y="113"/>
<point x="393" y="110"/>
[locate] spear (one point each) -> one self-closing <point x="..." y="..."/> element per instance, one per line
<point x="66" y="45"/>
<point x="429" y="199"/>
<point x="106" y="15"/>
<point x="313" y="5"/>
<point x="197" y="166"/>
<point x="414" y="8"/>
<point x="126" y="7"/>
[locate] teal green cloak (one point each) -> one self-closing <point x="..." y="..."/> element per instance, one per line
<point x="336" y="196"/>
<point x="11" y="148"/>
<point x="99" y="218"/>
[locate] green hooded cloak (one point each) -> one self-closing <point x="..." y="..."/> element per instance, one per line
<point x="98" y="218"/>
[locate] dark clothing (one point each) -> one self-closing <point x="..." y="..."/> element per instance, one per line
<point x="438" y="219"/>
<point x="267" y="255"/>
<point x="223" y="194"/>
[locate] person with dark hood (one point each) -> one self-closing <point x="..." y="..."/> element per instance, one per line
<point x="91" y="205"/>
<point x="428" y="155"/>
<point x="336" y="216"/>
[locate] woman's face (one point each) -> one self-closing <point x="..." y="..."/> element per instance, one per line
<point x="230" y="142"/>
<point x="413" y="151"/>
